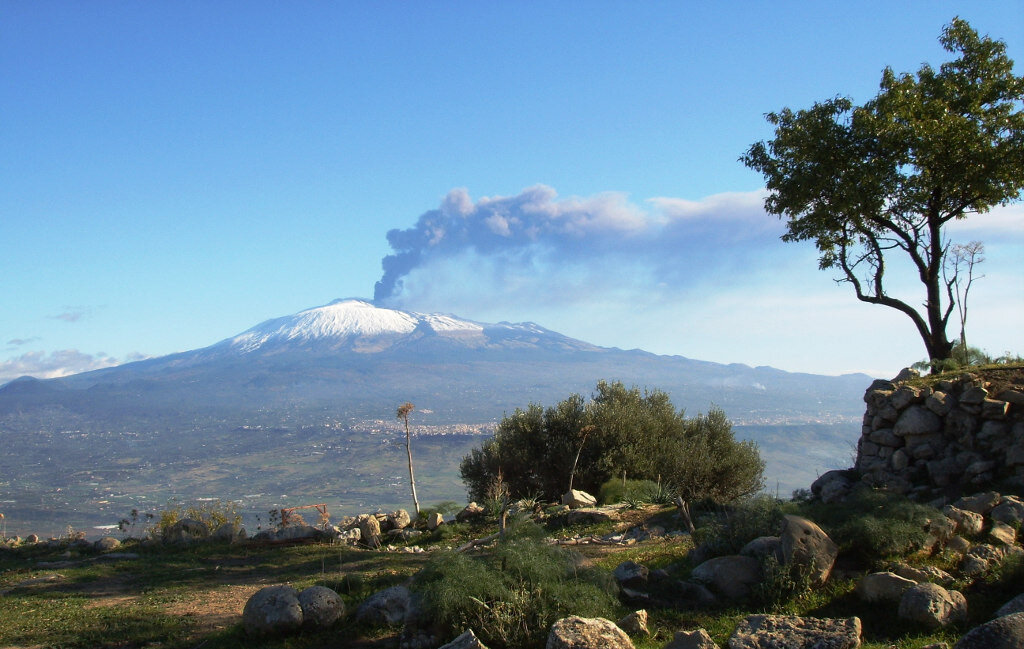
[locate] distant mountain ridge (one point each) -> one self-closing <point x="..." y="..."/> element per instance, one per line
<point x="353" y="359"/>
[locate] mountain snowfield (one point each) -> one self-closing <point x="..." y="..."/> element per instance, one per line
<point x="345" y="319"/>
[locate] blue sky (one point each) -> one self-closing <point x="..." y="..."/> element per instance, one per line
<point x="176" y="172"/>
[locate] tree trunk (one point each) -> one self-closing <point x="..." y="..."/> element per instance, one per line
<point x="412" y="478"/>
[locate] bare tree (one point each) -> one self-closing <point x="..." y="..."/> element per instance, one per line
<point x="960" y="262"/>
<point x="403" y="414"/>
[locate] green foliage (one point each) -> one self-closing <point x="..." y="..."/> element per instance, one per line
<point x="620" y="430"/>
<point x="214" y="513"/>
<point x="883" y="179"/>
<point x="726" y="530"/>
<point x="511" y="597"/>
<point x="618" y="491"/>
<point x="781" y="585"/>
<point x="875" y="524"/>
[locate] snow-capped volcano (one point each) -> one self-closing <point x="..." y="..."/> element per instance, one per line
<point x="359" y="325"/>
<point x="343" y="320"/>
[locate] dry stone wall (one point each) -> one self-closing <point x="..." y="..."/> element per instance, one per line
<point x="953" y="437"/>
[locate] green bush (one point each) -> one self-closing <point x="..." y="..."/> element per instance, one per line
<point x="619" y="430"/>
<point x="512" y="596"/>
<point x="618" y="491"/>
<point x="726" y="530"/>
<point x="875" y="524"/>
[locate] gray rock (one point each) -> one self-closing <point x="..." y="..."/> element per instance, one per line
<point x="321" y="607"/>
<point x="781" y="631"/>
<point x="369" y="530"/>
<point x="1003" y="533"/>
<point x="731" y="576"/>
<point x="635" y="623"/>
<point x="187" y="530"/>
<point x="806" y="545"/>
<point x="698" y="639"/>
<point x="587" y="633"/>
<point x="968" y="522"/>
<point x="1005" y="632"/>
<point x="388" y="607"/>
<point x="917" y="420"/>
<point x="883" y="586"/>
<point x="926" y="573"/>
<point x="1015" y="605"/>
<point x="106" y="544"/>
<point x="229" y="533"/>
<point x="932" y="606"/>
<point x="981" y="503"/>
<point x="958" y="544"/>
<point x="688" y="594"/>
<point x="631" y="574"/>
<point x="906" y="374"/>
<point x="434" y="521"/>
<point x="274" y="609"/>
<point x="1010" y="510"/>
<point x="467" y="640"/>
<point x="399" y="520"/>
<point x="763" y="547"/>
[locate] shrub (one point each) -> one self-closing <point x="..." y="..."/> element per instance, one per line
<point x="726" y="530"/>
<point x="214" y="513"/>
<point x="618" y="491"/>
<point x="619" y="430"/>
<point x="512" y="596"/>
<point x="875" y="524"/>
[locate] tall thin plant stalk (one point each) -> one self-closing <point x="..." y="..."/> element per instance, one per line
<point x="403" y="414"/>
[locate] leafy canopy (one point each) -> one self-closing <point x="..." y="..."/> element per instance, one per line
<point x="621" y="430"/>
<point x="868" y="183"/>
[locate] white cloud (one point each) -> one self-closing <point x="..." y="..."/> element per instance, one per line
<point x="64" y="362"/>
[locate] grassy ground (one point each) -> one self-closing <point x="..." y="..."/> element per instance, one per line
<point x="193" y="597"/>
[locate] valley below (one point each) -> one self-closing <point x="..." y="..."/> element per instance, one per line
<point x="92" y="480"/>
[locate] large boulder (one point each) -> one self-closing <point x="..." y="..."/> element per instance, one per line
<point x="575" y="499"/>
<point x="230" y="533"/>
<point x="1006" y="632"/>
<point x="1009" y="511"/>
<point x="106" y="544"/>
<point x="932" y="606"/>
<point x="883" y="586"/>
<point x="763" y="548"/>
<point x="470" y="512"/>
<point x="968" y="522"/>
<point x="777" y="631"/>
<point x="386" y="608"/>
<point x="1015" y="605"/>
<point x="587" y="633"/>
<point x="272" y="610"/>
<point x="980" y="503"/>
<point x="321" y="607"/>
<point x="369" y="530"/>
<point x="434" y="521"/>
<point x="806" y="545"/>
<point x="631" y="574"/>
<point x="732" y="576"/>
<point x="399" y="520"/>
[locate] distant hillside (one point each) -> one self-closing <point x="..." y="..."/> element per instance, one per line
<point x="353" y="360"/>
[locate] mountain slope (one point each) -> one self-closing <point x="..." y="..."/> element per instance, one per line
<point x="353" y="359"/>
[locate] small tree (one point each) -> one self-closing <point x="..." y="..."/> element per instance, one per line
<point x="961" y="261"/>
<point x="877" y="182"/>
<point x="403" y="414"/>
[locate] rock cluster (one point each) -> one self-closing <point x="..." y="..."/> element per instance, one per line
<point x="956" y="435"/>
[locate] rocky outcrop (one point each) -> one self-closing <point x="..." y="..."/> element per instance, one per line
<point x="805" y="546"/>
<point x="732" y="576"/>
<point x="954" y="435"/>
<point x="698" y="639"/>
<point x="388" y="607"/>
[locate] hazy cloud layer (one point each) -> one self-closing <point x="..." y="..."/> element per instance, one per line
<point x="21" y="342"/>
<point x="72" y="314"/>
<point x="536" y="240"/>
<point x="64" y="362"/>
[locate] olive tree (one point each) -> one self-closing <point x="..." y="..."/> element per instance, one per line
<point x="539" y="451"/>
<point x="878" y="182"/>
